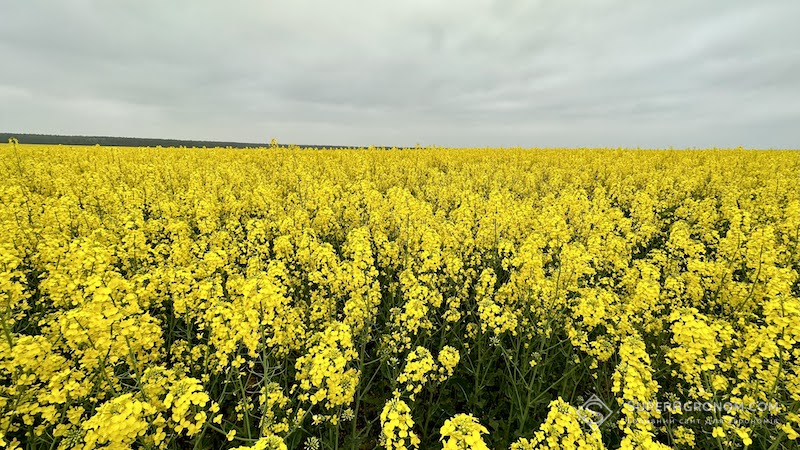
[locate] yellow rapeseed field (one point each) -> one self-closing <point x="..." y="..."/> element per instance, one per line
<point x="284" y="298"/>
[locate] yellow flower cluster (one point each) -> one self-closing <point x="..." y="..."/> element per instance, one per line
<point x="634" y="384"/>
<point x="273" y="404"/>
<point x="419" y="364"/>
<point x="270" y="442"/>
<point x="463" y="432"/>
<point x="324" y="373"/>
<point x="420" y="367"/>
<point x="185" y="399"/>
<point x="396" y="426"/>
<point x="448" y="360"/>
<point x="117" y="423"/>
<point x="564" y="428"/>
<point x="699" y="345"/>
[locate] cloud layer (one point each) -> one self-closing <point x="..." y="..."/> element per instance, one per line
<point x="470" y="73"/>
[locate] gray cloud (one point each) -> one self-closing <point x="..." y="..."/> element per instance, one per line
<point x="476" y="72"/>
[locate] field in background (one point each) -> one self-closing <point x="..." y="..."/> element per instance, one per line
<point x="119" y="141"/>
<point x="354" y="299"/>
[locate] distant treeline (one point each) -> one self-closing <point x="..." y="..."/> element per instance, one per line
<point x="52" y="139"/>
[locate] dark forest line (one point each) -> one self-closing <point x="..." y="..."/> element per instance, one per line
<point x="54" y="139"/>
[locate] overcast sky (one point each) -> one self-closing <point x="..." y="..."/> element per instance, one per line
<point x="681" y="73"/>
